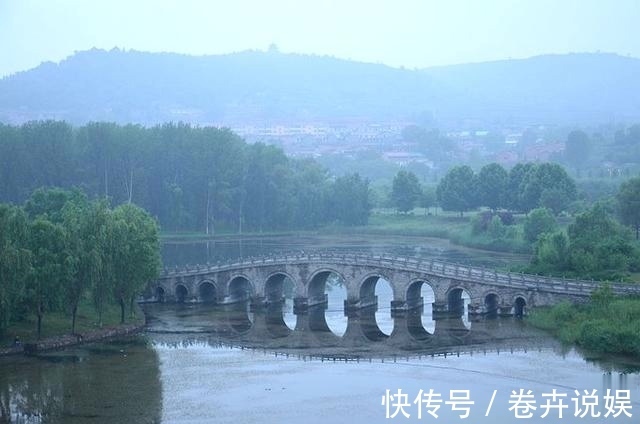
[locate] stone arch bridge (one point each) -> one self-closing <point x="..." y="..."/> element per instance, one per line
<point x="260" y="281"/>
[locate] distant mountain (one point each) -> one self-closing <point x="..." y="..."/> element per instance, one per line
<point x="551" y="88"/>
<point x="257" y="87"/>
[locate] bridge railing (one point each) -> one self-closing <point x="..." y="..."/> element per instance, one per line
<point x="430" y="266"/>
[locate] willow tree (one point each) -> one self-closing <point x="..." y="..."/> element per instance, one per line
<point x="15" y="261"/>
<point x="50" y="272"/>
<point x="136" y="253"/>
<point x="85" y="255"/>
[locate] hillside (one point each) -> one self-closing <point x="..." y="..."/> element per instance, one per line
<point x="258" y="87"/>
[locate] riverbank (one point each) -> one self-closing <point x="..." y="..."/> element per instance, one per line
<point x="606" y="325"/>
<point x="447" y="226"/>
<point x="56" y="331"/>
<point x="68" y="340"/>
<point x="457" y="230"/>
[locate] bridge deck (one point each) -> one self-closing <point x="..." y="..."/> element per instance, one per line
<point x="413" y="264"/>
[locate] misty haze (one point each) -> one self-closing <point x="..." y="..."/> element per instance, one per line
<point x="319" y="211"/>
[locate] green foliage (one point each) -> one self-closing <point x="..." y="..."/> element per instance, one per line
<point x="515" y="185"/>
<point x="351" y="204"/>
<point x="602" y="297"/>
<point x="457" y="190"/>
<point x="69" y="250"/>
<point x="428" y="198"/>
<point x="606" y="325"/>
<point x="599" y="246"/>
<point x="551" y="253"/>
<point x="548" y="183"/>
<point x="492" y="186"/>
<point x="405" y="192"/>
<point x="629" y="204"/>
<point x="538" y="222"/>
<point x="50" y="267"/>
<point x="189" y="178"/>
<point x="136" y="252"/>
<point x="595" y="246"/>
<point x="496" y="228"/>
<point x="49" y="203"/>
<point x="15" y="262"/>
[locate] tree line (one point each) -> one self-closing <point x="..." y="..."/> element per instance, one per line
<point x="523" y="188"/>
<point x="597" y="244"/>
<point x="191" y="178"/>
<point x="60" y="249"/>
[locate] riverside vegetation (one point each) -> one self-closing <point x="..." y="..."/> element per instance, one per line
<point x="62" y="254"/>
<point x="605" y="325"/>
<point x="526" y="211"/>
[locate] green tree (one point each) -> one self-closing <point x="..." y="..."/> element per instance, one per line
<point x="50" y="268"/>
<point x="629" y="204"/>
<point x="350" y="200"/>
<point x="515" y="185"/>
<point x="496" y="228"/>
<point x="405" y="191"/>
<point x="538" y="222"/>
<point x="103" y="276"/>
<point x="599" y="246"/>
<point x="577" y="148"/>
<point x="85" y="253"/>
<point x="15" y="261"/>
<point x="456" y="191"/>
<point x="428" y="199"/>
<point x="548" y="177"/>
<point x="555" y="199"/>
<point x="135" y="255"/>
<point x="552" y="253"/>
<point x="492" y="186"/>
<point x="49" y="203"/>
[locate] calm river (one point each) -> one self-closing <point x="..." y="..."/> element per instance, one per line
<point x="215" y="364"/>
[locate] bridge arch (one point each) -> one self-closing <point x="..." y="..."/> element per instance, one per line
<point x="519" y="305"/>
<point x="240" y="288"/>
<point x="375" y="300"/>
<point x="208" y="291"/>
<point x="318" y="280"/>
<point x="275" y="287"/>
<point x="181" y="292"/>
<point x="491" y="302"/>
<point x="367" y="285"/>
<point x="325" y="301"/>
<point x="160" y="294"/>
<point x="457" y="298"/>
<point x="414" y="288"/>
<point x="420" y="297"/>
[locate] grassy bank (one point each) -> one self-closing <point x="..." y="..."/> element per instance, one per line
<point x="444" y="225"/>
<point x="196" y="236"/>
<point x="604" y="326"/>
<point x="57" y="323"/>
<point x="450" y="226"/>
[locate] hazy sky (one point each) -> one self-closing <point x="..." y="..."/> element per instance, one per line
<point x="410" y="33"/>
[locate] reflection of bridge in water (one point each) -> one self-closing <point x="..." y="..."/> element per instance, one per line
<point x="456" y="289"/>
<point x="237" y="325"/>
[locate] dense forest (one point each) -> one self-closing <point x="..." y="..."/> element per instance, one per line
<point x="190" y="178"/>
